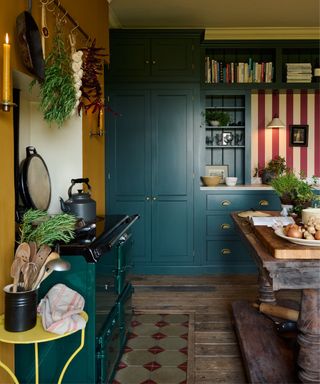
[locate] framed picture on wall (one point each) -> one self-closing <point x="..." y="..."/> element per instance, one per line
<point x="299" y="135"/>
<point x="217" y="170"/>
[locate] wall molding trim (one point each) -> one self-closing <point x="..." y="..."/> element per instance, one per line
<point x="263" y="33"/>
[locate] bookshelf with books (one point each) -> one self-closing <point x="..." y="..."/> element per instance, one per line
<point x="260" y="64"/>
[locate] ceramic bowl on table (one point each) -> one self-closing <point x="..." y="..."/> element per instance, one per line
<point x="210" y="181"/>
<point x="231" y="181"/>
<point x="310" y="212"/>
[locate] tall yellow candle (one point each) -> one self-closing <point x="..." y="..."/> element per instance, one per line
<point x="6" y="90"/>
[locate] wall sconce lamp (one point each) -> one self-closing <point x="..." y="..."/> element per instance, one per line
<point x="6" y="78"/>
<point x="276" y="123"/>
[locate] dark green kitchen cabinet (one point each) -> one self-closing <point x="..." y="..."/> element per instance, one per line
<point x="158" y="56"/>
<point x="150" y="171"/>
<point x="219" y="243"/>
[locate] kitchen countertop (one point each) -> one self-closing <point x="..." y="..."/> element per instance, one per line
<point x="243" y="187"/>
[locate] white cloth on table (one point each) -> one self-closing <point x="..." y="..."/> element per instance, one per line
<point x="60" y="310"/>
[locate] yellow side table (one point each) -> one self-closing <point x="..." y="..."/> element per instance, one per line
<point x="35" y="336"/>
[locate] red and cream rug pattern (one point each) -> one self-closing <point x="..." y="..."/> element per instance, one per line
<point x="156" y="351"/>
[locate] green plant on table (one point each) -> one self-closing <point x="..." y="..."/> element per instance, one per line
<point x="294" y="190"/>
<point x="285" y="185"/>
<point x="39" y="227"/>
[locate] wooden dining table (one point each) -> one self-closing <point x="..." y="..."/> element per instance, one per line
<point x="269" y="356"/>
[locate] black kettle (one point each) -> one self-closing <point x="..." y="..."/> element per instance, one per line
<point x="80" y="204"/>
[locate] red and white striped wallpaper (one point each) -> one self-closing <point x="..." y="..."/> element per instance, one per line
<point x="292" y="107"/>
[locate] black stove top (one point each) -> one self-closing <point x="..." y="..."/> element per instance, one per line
<point x="94" y="239"/>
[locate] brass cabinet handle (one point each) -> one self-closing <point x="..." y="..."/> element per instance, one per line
<point x="225" y="226"/>
<point x="225" y="203"/>
<point x="153" y="61"/>
<point x="147" y="61"/>
<point x="263" y="203"/>
<point x="226" y="251"/>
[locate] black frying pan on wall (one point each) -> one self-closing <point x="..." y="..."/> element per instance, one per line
<point x="29" y="43"/>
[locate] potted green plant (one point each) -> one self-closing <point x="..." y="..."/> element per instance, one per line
<point x="216" y="117"/>
<point x="38" y="233"/>
<point x="284" y="186"/>
<point x="294" y="191"/>
<point x="274" y="168"/>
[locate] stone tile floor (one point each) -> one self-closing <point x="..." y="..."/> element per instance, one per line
<point x="156" y="351"/>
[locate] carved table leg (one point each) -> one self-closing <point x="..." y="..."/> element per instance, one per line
<point x="309" y="337"/>
<point x="266" y="293"/>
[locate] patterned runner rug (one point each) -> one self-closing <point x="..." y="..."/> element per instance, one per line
<point x="157" y="350"/>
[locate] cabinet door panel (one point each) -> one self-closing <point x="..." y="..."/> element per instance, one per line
<point x="172" y="58"/>
<point x="129" y="164"/>
<point x="172" y="143"/>
<point x="171" y="232"/>
<point x="129" y="145"/>
<point x="129" y="58"/>
<point x="172" y="168"/>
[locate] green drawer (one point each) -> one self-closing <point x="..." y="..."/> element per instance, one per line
<point x="241" y="201"/>
<point x="220" y="225"/>
<point x="224" y="251"/>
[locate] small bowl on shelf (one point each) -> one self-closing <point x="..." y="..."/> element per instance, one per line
<point x="210" y="181"/>
<point x="231" y="181"/>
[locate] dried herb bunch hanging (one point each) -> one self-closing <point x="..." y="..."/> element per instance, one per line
<point x="57" y="92"/>
<point x="91" y="88"/>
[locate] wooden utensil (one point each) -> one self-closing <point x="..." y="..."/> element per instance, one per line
<point x="21" y="257"/>
<point x="43" y="274"/>
<point x="23" y="251"/>
<point x="39" y="259"/>
<point x="33" y="250"/>
<point x="15" y="272"/>
<point x="30" y="272"/>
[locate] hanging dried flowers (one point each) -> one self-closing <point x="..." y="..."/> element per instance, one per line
<point x="91" y="89"/>
<point x="57" y="92"/>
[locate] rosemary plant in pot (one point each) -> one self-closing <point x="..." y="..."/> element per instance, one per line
<point x="38" y="233"/>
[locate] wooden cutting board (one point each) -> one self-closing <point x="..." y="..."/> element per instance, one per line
<point x="283" y="249"/>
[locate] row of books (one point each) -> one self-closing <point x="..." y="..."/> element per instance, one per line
<point x="299" y="72"/>
<point x="241" y="72"/>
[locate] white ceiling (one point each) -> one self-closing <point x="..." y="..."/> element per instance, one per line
<point x="213" y="13"/>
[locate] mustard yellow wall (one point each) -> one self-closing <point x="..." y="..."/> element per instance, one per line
<point x="93" y="18"/>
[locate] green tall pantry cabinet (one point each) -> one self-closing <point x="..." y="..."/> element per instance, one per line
<point x="149" y="166"/>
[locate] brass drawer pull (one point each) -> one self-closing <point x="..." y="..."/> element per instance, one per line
<point x="226" y="251"/>
<point x="225" y="203"/>
<point x="264" y="203"/>
<point x="225" y="226"/>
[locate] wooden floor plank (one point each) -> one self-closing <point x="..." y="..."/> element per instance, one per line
<point x="216" y="337"/>
<point x="215" y="348"/>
